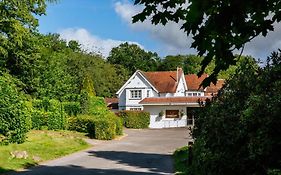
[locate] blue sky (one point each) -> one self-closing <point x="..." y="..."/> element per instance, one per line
<point x="100" y="25"/>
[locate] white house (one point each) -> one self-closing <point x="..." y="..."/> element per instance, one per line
<point x="169" y="96"/>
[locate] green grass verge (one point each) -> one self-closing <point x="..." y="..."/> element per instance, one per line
<point x="181" y="161"/>
<point x="45" y="145"/>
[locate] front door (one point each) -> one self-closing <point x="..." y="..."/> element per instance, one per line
<point x="190" y="116"/>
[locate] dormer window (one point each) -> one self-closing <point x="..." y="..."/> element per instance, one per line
<point x="135" y="94"/>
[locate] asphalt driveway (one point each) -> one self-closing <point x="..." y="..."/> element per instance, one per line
<point x="145" y="151"/>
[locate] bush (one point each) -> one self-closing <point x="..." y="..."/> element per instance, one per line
<point x="48" y="113"/>
<point x="97" y="106"/>
<point x="39" y="119"/>
<point x="105" y="129"/>
<point x="72" y="108"/>
<point x="82" y="123"/>
<point x="14" y="113"/>
<point x="135" y="119"/>
<point x="181" y="160"/>
<point x="119" y="125"/>
<point x="99" y="127"/>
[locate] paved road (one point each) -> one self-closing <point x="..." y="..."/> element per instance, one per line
<point x="141" y="152"/>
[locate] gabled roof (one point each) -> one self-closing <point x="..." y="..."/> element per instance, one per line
<point x="175" y="100"/>
<point x="128" y="81"/>
<point x="215" y="88"/>
<point x="164" y="81"/>
<point x="193" y="82"/>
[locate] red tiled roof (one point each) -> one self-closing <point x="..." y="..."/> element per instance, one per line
<point x="156" y="100"/>
<point x="110" y="100"/>
<point x="193" y="82"/>
<point x="215" y="88"/>
<point x="163" y="81"/>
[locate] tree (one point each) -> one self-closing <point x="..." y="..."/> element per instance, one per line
<point x="218" y="27"/>
<point x="191" y="65"/>
<point x="14" y="114"/>
<point x="105" y="78"/>
<point x="132" y="57"/>
<point x="239" y="131"/>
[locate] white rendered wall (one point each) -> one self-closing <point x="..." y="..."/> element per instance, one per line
<point x="161" y="122"/>
<point x="137" y="83"/>
<point x="180" y="92"/>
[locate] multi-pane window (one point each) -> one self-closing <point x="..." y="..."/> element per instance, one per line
<point x="172" y="113"/>
<point x="147" y="93"/>
<point x="135" y="94"/>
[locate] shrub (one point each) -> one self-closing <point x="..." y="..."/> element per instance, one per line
<point x="135" y="119"/>
<point x="181" y="160"/>
<point x="56" y="121"/>
<point x="72" y="108"/>
<point x="99" y="127"/>
<point x="14" y="114"/>
<point x="82" y="123"/>
<point x="39" y="119"/>
<point x="105" y="129"/>
<point x="97" y="106"/>
<point x="48" y="113"/>
<point x="119" y="125"/>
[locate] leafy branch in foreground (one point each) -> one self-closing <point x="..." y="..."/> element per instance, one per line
<point x="218" y="27"/>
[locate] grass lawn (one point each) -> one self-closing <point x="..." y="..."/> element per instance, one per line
<point x="44" y="145"/>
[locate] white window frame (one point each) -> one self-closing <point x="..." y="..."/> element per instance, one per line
<point x="135" y="94"/>
<point x="147" y="93"/>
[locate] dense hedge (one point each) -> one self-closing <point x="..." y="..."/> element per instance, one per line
<point x="104" y="127"/>
<point x="180" y="157"/>
<point x="82" y="123"/>
<point x="97" y="106"/>
<point x="135" y="119"/>
<point x="14" y="113"/>
<point x="72" y="108"/>
<point x="48" y="114"/>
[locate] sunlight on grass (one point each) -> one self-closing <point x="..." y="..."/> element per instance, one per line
<point x="45" y="145"/>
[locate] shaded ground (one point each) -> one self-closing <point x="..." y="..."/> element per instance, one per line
<point x="141" y="152"/>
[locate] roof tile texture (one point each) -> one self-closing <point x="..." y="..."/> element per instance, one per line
<point x="164" y="82"/>
<point x="193" y="81"/>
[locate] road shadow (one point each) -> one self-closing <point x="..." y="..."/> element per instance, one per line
<point x="75" y="170"/>
<point x="154" y="162"/>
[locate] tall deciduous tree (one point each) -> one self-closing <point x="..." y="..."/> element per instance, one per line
<point x="218" y="27"/>
<point x="132" y="57"/>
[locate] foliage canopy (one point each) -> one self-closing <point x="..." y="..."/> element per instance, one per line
<point x="218" y="27"/>
<point x="239" y="131"/>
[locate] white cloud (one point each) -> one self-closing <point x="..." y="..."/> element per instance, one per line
<point x="90" y="42"/>
<point x="261" y="47"/>
<point x="175" y="41"/>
